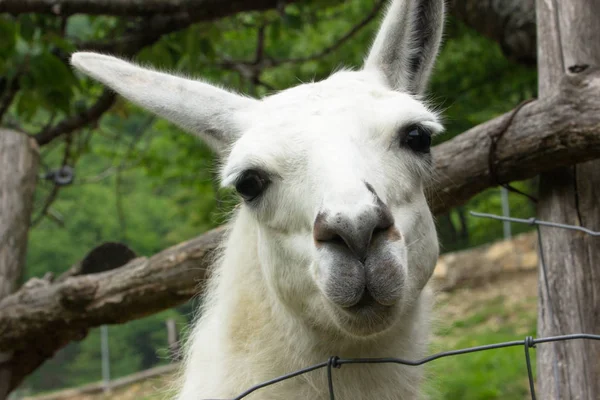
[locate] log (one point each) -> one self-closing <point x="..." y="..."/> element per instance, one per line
<point x="43" y="317"/>
<point x="19" y="158"/>
<point x="569" y="43"/>
<point x="562" y="129"/>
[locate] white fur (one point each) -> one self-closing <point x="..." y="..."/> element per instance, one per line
<point x="264" y="312"/>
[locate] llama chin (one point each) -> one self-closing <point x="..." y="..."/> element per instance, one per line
<point x="333" y="245"/>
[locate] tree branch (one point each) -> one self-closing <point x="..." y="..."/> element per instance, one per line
<point x="560" y="130"/>
<point x="41" y="318"/>
<point x="7" y="97"/>
<point x="150" y="31"/>
<point x="70" y="124"/>
<point x="217" y="8"/>
<point x="261" y="63"/>
<point x="338" y="43"/>
<point x="511" y="23"/>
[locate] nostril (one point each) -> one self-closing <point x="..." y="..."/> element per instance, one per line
<point x="337" y="239"/>
<point x="330" y="237"/>
<point x="380" y="229"/>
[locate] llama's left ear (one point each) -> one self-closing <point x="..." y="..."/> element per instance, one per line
<point x="407" y="44"/>
<point x="211" y="113"/>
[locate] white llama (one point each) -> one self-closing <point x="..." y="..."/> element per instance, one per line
<point x="333" y="244"/>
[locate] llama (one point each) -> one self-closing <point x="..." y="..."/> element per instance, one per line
<point x="332" y="246"/>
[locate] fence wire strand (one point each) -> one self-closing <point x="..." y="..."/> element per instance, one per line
<point x="527" y="343"/>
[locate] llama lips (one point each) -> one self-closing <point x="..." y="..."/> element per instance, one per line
<point x="385" y="270"/>
<point x="348" y="282"/>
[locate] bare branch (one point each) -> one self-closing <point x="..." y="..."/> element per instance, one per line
<point x="343" y="39"/>
<point x="243" y="65"/>
<point x="133" y="7"/>
<point x="55" y="188"/>
<point x="47" y="203"/>
<point x="10" y="87"/>
<point x="6" y="100"/>
<point x="70" y="124"/>
<point x="260" y="44"/>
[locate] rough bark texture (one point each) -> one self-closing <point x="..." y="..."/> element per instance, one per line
<point x="43" y="317"/>
<point x="511" y="23"/>
<point x="19" y="158"/>
<point x="543" y="135"/>
<point x="569" y="42"/>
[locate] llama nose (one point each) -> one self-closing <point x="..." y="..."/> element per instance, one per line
<point x="355" y="233"/>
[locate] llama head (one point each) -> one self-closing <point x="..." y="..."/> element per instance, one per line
<point x="331" y="173"/>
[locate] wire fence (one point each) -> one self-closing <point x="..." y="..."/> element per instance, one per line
<point x="527" y="343"/>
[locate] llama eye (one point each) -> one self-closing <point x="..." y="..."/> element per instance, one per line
<point x="418" y="139"/>
<point x="251" y="184"/>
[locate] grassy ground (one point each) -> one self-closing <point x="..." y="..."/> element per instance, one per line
<point x="501" y="311"/>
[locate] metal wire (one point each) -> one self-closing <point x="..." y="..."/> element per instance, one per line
<point x="335" y="362"/>
<point x="538" y="224"/>
<point x="528" y="343"/>
<point x="533" y="221"/>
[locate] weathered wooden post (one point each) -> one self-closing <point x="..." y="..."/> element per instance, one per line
<point x="568" y="60"/>
<point x="19" y="157"/>
<point x="173" y="339"/>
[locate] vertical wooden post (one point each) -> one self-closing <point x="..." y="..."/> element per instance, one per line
<point x="19" y="158"/>
<point x="568" y="44"/>
<point x="173" y="339"/>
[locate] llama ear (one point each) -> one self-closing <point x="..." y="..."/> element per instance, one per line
<point x="205" y="110"/>
<point x="407" y="44"/>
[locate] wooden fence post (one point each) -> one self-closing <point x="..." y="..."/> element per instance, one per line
<point x="19" y="158"/>
<point x="569" y="59"/>
<point x="173" y="338"/>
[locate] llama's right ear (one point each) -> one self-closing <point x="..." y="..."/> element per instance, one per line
<point x="205" y="110"/>
<point x="407" y="44"/>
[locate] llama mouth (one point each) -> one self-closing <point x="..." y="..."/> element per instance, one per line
<point x="375" y="283"/>
<point x="367" y="303"/>
<point x="365" y="318"/>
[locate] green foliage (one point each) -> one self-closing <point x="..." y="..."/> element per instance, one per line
<point x="144" y="182"/>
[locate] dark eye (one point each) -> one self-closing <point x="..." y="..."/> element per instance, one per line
<point x="251" y="184"/>
<point x="418" y="139"/>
